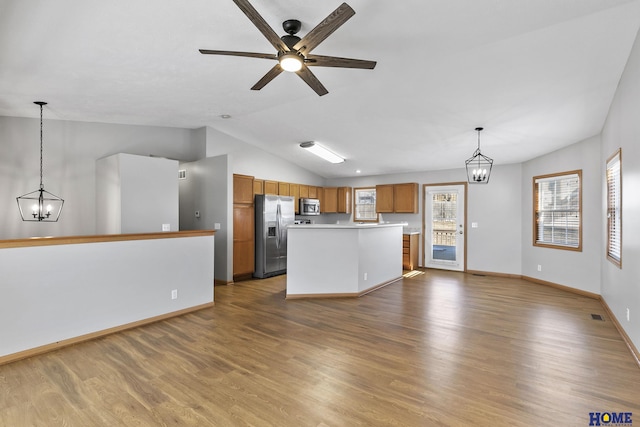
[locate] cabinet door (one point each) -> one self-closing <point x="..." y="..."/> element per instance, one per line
<point x="344" y="200"/>
<point x="242" y="189"/>
<point x="329" y="203"/>
<point x="284" y="189"/>
<point x="258" y="186"/>
<point x="384" y="198"/>
<point x="405" y="198"/>
<point x="270" y="187"/>
<point x="304" y="191"/>
<point x="313" y="192"/>
<point x="243" y="240"/>
<point x="294" y="191"/>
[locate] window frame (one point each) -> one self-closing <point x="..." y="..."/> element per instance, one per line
<point x="355" y="205"/>
<point x="617" y="155"/>
<point x="535" y="209"/>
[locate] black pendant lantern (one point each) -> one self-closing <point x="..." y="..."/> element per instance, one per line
<point x="40" y="205"/>
<point x="479" y="165"/>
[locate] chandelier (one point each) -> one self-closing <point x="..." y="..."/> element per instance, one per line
<point x="478" y="165"/>
<point x="40" y="205"/>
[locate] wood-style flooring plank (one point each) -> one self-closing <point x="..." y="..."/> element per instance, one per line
<point x="437" y="348"/>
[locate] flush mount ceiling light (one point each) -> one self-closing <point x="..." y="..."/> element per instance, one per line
<point x="479" y="165"/>
<point x="322" y="152"/>
<point x="40" y="205"/>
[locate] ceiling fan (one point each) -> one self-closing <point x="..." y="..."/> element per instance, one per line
<point x="293" y="53"/>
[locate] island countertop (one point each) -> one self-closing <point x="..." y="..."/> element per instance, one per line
<point x="349" y="225"/>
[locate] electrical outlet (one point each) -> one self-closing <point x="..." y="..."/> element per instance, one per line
<point x="539" y="267"/>
<point x="174" y="294"/>
<point x="166" y="227"/>
<point x="216" y="226"/>
<point x="628" y="315"/>
<point x="197" y="214"/>
<point x="365" y="276"/>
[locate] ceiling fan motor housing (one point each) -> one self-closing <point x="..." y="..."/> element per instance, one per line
<point x="290" y="40"/>
<point x="291" y="26"/>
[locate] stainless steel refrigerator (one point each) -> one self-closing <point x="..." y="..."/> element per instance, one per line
<point x="273" y="215"/>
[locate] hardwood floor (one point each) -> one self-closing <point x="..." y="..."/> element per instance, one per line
<point x="439" y="348"/>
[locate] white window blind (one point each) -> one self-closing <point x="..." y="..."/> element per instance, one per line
<point x="614" y="205"/>
<point x="558" y="209"/>
<point x="365" y="204"/>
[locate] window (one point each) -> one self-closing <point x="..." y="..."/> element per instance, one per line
<point x="614" y="209"/>
<point x="365" y="204"/>
<point x="557" y="201"/>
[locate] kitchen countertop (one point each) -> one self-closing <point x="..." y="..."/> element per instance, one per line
<point x="350" y="225"/>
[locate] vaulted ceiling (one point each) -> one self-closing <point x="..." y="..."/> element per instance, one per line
<point x="537" y="74"/>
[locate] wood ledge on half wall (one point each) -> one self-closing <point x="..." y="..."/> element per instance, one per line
<point x="72" y="240"/>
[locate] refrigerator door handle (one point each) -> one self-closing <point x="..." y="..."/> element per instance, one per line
<point x="278" y="219"/>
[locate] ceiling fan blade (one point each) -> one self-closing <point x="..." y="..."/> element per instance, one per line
<point x="271" y="74"/>
<point x="324" y="29"/>
<point x="232" y="53"/>
<point x="310" y="78"/>
<point x="262" y="25"/>
<point x="334" y="61"/>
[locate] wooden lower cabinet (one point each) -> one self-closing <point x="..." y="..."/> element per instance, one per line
<point x="410" y="244"/>
<point x="243" y="242"/>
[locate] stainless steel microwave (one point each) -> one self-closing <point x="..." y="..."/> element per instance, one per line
<point x="309" y="207"/>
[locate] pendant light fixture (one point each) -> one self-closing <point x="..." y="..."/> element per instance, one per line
<point x="479" y="165"/>
<point x="40" y="205"/>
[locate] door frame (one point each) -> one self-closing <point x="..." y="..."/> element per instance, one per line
<point x="465" y="185"/>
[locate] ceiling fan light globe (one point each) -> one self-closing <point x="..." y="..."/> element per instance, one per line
<point x="291" y="62"/>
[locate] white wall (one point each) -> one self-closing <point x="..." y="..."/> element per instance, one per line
<point x="495" y="246"/>
<point x="78" y="289"/>
<point x="70" y="153"/>
<point x="136" y="194"/>
<point x="579" y="270"/>
<point x="621" y="287"/>
<point x="208" y="190"/>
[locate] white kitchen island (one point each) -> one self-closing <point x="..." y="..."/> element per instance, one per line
<point x="342" y="260"/>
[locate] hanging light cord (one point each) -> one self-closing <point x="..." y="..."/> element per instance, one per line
<point x="41" y="186"/>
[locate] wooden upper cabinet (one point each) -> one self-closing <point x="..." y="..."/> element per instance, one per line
<point x="284" y="188"/>
<point x="294" y="191"/>
<point x="344" y="199"/>
<point x="313" y="192"/>
<point x="304" y="191"/>
<point x="258" y="186"/>
<point x="405" y="198"/>
<point x="397" y="198"/>
<point x="384" y="198"/>
<point x="329" y="202"/>
<point x="320" y="196"/>
<point x="336" y="200"/>
<point x="242" y="189"/>
<point x="270" y="187"/>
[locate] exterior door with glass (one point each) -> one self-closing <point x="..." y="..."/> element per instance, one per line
<point x="444" y="219"/>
